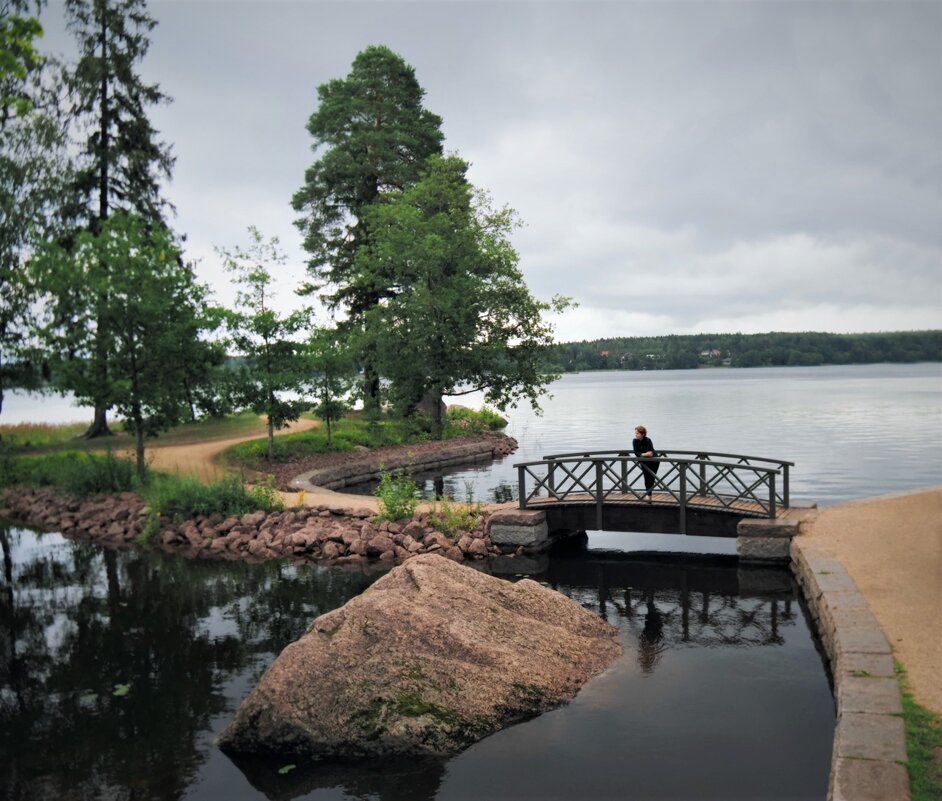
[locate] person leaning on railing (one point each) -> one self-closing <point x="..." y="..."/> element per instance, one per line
<point x="643" y="447"/>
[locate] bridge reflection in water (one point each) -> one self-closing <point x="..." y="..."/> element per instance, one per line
<point x="666" y="604"/>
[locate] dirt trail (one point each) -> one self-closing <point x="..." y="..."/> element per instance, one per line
<point x="197" y="458"/>
<point x="892" y="548"/>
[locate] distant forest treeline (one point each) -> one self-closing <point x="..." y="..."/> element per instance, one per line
<point x="774" y="349"/>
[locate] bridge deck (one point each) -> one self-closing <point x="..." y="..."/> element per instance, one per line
<point x="660" y="499"/>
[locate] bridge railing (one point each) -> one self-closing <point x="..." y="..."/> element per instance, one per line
<point x="690" y="479"/>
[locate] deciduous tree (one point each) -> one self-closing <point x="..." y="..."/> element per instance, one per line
<point x="274" y="361"/>
<point x="152" y="321"/>
<point x="333" y="373"/>
<point x="459" y="317"/>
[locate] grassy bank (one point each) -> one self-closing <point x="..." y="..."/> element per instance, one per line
<point x="923" y="745"/>
<point x="355" y="432"/>
<point x="175" y="496"/>
<point x="44" y="438"/>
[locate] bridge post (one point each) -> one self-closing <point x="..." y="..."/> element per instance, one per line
<point x="551" y="478"/>
<point x="772" y="495"/>
<point x="683" y="497"/>
<point x="624" y="475"/>
<point x="599" y="495"/>
<point x="703" y="481"/>
<point x="522" y="487"/>
<point x="785" y="485"/>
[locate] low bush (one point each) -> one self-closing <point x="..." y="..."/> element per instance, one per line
<point x="76" y="472"/>
<point x="461" y="420"/>
<point x="398" y="495"/>
<point x="180" y="497"/>
<point x="450" y="518"/>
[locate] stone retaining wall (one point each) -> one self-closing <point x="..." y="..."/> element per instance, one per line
<point x="869" y="754"/>
<point x="368" y="468"/>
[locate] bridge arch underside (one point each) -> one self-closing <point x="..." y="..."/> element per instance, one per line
<point x="570" y="517"/>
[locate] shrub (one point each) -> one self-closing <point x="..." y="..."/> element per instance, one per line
<point x="461" y="420"/>
<point x="450" y="518"/>
<point x="76" y="472"/>
<point x="180" y="497"/>
<point x="398" y="495"/>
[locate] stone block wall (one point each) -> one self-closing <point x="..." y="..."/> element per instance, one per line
<point x="868" y="761"/>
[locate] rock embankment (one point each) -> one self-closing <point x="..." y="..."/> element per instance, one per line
<point x="321" y="533"/>
<point x="431" y="658"/>
<point x="339" y="469"/>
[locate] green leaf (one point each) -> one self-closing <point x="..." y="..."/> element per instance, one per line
<point x="286" y="769"/>
<point x="121" y="690"/>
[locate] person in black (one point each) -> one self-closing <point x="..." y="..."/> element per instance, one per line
<point x="642" y="446"/>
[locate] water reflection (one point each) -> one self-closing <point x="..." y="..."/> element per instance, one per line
<point x="113" y="664"/>
<point x="117" y="669"/>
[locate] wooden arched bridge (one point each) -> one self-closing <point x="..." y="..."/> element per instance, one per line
<point x="694" y="491"/>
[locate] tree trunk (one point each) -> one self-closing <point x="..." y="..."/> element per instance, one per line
<point x="139" y="447"/>
<point x="99" y="426"/>
<point x="438" y="420"/>
<point x="271" y="440"/>
<point x="329" y="442"/>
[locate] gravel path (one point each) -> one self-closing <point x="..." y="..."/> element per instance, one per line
<point x="892" y="548"/>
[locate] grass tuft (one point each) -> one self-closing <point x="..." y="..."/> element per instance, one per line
<point x="923" y="745"/>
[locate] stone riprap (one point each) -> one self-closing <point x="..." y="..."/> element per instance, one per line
<point x="336" y="535"/>
<point x="869" y="753"/>
<point x="431" y="658"/>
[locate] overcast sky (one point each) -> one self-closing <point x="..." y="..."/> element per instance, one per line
<point x="679" y="167"/>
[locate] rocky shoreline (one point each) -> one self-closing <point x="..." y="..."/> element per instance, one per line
<point x="316" y="533"/>
<point x="341" y="468"/>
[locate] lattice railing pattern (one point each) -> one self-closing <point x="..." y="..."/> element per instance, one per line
<point x="688" y="479"/>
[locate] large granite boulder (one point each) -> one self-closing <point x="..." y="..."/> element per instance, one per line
<point x="431" y="658"/>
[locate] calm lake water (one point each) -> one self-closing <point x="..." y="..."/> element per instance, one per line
<point x="117" y="669"/>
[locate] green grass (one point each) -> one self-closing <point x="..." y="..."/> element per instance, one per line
<point x="181" y="497"/>
<point x="174" y="495"/>
<point x="347" y="435"/>
<point x="354" y="431"/>
<point x="44" y="438"/>
<point x="923" y="743"/>
<point x="77" y="472"/>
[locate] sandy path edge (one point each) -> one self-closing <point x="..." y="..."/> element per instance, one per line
<point x="892" y="548"/>
<point x="198" y="458"/>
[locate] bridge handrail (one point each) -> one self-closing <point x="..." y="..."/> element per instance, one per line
<point x="765" y="474"/>
<point x="587" y="454"/>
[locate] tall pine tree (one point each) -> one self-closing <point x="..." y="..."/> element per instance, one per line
<point x="122" y="161"/>
<point x="372" y="136"/>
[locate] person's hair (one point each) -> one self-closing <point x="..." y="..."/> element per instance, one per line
<point x="641" y="430"/>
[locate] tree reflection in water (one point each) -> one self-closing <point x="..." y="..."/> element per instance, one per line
<point x="113" y="664"/>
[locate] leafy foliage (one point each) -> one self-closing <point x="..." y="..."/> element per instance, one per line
<point x="333" y="371"/>
<point x="127" y="322"/>
<point x="182" y="497"/>
<point x="76" y="472"/>
<point x="462" y="420"/>
<point x="372" y="136"/>
<point x="33" y="171"/>
<point x="449" y="517"/>
<point x="457" y="316"/>
<point x="273" y="359"/>
<point x="398" y="495"/>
